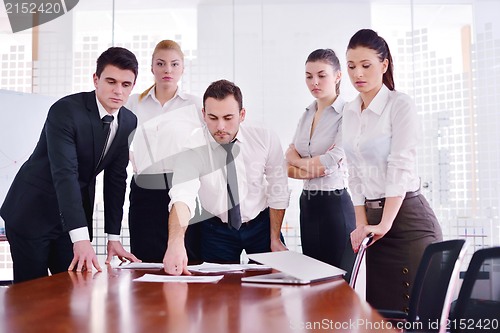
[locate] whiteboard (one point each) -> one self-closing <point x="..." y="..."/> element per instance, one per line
<point x="21" y="121"/>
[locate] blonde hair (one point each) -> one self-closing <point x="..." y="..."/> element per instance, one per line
<point x="166" y="44"/>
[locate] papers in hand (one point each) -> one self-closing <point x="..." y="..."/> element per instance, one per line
<point x="216" y="268"/>
<point x="142" y="265"/>
<point x="182" y="278"/>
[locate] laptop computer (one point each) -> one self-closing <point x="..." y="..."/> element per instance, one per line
<point x="294" y="267"/>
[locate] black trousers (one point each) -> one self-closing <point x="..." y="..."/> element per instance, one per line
<point x="326" y="222"/>
<point x="148" y="219"/>
<point x="32" y="258"/>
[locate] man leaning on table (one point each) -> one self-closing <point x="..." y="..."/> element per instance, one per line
<point x="240" y="175"/>
<point x="48" y="209"/>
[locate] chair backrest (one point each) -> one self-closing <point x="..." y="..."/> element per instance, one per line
<point x="478" y="305"/>
<point x="359" y="259"/>
<point x="435" y="282"/>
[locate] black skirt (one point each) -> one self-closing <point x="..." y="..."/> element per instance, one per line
<point x="392" y="262"/>
<point x="326" y="221"/>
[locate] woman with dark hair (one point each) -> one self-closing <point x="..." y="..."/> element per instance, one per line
<point x="316" y="156"/>
<point x="381" y="133"/>
<point x="148" y="213"/>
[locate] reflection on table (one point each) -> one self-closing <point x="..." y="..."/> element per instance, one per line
<point x="111" y="302"/>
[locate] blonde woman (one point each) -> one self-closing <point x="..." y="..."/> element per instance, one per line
<point x="148" y="213"/>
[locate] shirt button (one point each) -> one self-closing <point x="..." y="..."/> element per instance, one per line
<point x="406" y="284"/>
<point x="405" y="271"/>
<point x="406" y="310"/>
<point x="406" y="297"/>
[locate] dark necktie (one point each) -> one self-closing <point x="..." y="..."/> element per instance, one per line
<point x="106" y="130"/>
<point x="233" y="200"/>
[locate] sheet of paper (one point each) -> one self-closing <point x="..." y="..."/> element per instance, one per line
<point x="215" y="268"/>
<point x="181" y="278"/>
<point x="142" y="265"/>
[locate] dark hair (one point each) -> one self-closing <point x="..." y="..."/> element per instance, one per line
<point x="328" y="56"/>
<point x="221" y="89"/>
<point x="370" y="39"/>
<point x="118" y="57"/>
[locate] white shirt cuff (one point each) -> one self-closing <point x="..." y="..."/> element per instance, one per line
<point x="113" y="238"/>
<point x="395" y="191"/>
<point x="79" y="234"/>
<point x="358" y="200"/>
<point x="186" y="200"/>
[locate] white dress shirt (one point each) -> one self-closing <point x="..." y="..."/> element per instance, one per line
<point x="327" y="132"/>
<point x="260" y="169"/>
<point x="82" y="233"/>
<point x="381" y="146"/>
<point x="154" y="139"/>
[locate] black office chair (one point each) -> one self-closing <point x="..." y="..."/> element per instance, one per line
<point x="482" y="279"/>
<point x="433" y="288"/>
<point x="359" y="258"/>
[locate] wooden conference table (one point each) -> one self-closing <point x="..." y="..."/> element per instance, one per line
<point x="111" y="302"/>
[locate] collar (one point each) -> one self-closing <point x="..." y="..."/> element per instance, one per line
<point x="337" y="105"/>
<point x="102" y="110"/>
<point x="378" y="103"/>
<point x="152" y="93"/>
<point x="239" y="138"/>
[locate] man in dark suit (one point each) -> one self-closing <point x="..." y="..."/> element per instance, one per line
<point x="48" y="209"/>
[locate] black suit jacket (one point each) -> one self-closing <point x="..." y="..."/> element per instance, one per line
<point x="57" y="183"/>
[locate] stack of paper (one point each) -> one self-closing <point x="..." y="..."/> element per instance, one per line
<point x="203" y="268"/>
<point x="216" y="268"/>
<point x="142" y="265"/>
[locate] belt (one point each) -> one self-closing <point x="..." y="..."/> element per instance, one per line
<point x="161" y="181"/>
<point x="379" y="203"/>
<point x="217" y="220"/>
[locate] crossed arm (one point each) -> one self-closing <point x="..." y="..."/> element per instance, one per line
<point x="303" y="168"/>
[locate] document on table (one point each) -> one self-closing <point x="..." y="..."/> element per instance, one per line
<point x="142" y="265"/>
<point x="202" y="268"/>
<point x="181" y="278"/>
<point x="216" y="268"/>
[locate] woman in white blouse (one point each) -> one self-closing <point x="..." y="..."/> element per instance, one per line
<point x="381" y="133"/>
<point x="316" y="156"/>
<point x="149" y="199"/>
